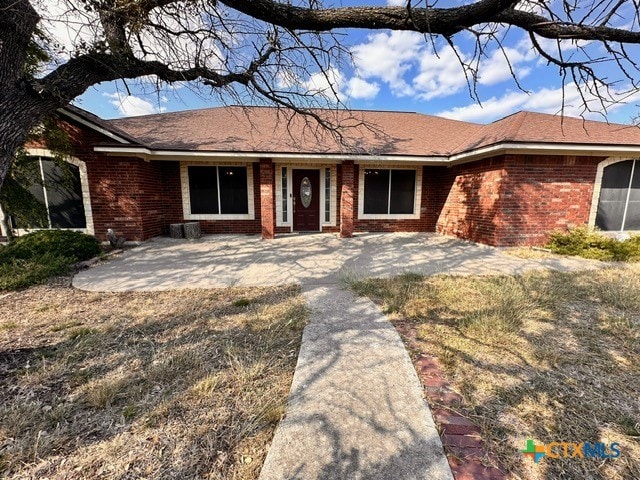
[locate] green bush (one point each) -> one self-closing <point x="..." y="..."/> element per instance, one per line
<point x="74" y="246"/>
<point x="37" y="256"/>
<point x="593" y="245"/>
<point x="19" y="273"/>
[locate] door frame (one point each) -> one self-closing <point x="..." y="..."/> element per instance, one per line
<point x="297" y="166"/>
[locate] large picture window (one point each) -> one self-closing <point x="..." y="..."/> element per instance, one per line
<point x="218" y="190"/>
<point x="389" y="192"/>
<point x="619" y="202"/>
<point x="60" y="191"/>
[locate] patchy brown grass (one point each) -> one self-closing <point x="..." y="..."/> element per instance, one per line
<point x="187" y="384"/>
<point x="548" y="356"/>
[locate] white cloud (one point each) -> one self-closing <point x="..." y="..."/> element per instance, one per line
<point x="545" y="100"/>
<point x="388" y="56"/>
<point x="361" y="89"/>
<point x="396" y="3"/>
<point x="132" y="106"/>
<point x="326" y="84"/>
<point x="334" y="86"/>
<point x="440" y="75"/>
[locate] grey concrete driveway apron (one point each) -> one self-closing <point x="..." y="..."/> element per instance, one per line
<point x="356" y="408"/>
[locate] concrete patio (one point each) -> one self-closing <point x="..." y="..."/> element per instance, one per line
<point x="228" y="260"/>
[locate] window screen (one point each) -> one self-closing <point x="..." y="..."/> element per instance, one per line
<point x="214" y="190"/>
<point x="389" y="191"/>
<point x="403" y="189"/>
<point x="616" y="190"/>
<point x="632" y="220"/>
<point x="59" y="190"/>
<point x="376" y="191"/>
<point x="64" y="195"/>
<point x="233" y="190"/>
<point x="203" y="190"/>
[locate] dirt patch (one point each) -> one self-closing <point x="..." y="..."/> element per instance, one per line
<point x="184" y="384"/>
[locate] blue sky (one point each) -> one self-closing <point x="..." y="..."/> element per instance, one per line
<point x="402" y="71"/>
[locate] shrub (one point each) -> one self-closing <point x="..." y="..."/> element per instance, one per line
<point x="593" y="245"/>
<point x="73" y="246"/>
<point x="37" y="256"/>
<point x="19" y="273"/>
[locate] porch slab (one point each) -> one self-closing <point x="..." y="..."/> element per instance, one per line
<point x="313" y="259"/>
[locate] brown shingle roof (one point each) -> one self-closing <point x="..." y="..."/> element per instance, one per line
<point x="532" y="127"/>
<point x="270" y="130"/>
<point x="264" y="129"/>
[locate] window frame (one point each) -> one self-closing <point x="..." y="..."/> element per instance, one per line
<point x="598" y="188"/>
<point x="291" y="166"/>
<point x="84" y="187"/>
<point x="186" y="193"/>
<point x="417" y="197"/>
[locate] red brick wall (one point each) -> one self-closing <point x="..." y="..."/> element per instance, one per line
<point x="470" y="199"/>
<point x="544" y="193"/>
<point x="123" y="190"/>
<point x="516" y="199"/>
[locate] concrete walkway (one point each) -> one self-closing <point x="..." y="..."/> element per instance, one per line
<point x="356" y="409"/>
<point x="227" y="260"/>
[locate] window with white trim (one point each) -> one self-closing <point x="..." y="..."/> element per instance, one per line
<point x="619" y="202"/>
<point x="60" y="191"/>
<point x="389" y="191"/>
<point x="218" y="190"/>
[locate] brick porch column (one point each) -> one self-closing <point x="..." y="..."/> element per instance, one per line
<point x="346" y="199"/>
<point x="267" y="189"/>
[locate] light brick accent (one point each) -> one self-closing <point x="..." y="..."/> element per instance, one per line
<point x="267" y="199"/>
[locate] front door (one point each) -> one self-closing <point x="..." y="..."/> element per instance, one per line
<point x="306" y="200"/>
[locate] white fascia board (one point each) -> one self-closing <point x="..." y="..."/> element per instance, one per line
<point x="95" y="127"/>
<point x="543" y="148"/>
<point x="470" y="156"/>
<point x="149" y="154"/>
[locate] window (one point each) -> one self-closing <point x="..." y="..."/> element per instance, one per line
<point x="285" y="199"/>
<point x="60" y="191"/>
<point x="327" y="195"/>
<point x="389" y="191"/>
<point x="218" y="190"/>
<point x="619" y="202"/>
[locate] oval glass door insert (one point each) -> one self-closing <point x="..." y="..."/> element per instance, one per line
<point x="305" y="192"/>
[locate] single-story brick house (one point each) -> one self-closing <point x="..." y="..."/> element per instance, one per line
<point x="257" y="171"/>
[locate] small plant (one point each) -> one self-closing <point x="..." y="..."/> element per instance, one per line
<point x="242" y="302"/>
<point x="584" y="243"/>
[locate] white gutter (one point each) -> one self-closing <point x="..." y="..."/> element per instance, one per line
<point x="532" y="148"/>
<point x="93" y="126"/>
<point x="469" y="156"/>
<point x="149" y="154"/>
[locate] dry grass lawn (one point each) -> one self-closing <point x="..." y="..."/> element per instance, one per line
<point x="187" y="384"/>
<point x="548" y="356"/>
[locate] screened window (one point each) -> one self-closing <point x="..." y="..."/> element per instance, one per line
<point x="218" y="190"/>
<point x="619" y="202"/>
<point x="389" y="191"/>
<point x="60" y="191"/>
